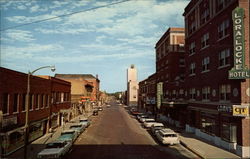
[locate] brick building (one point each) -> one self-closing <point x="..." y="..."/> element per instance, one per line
<point x="44" y="108"/>
<point x="170" y="70"/>
<point x="216" y="37"/>
<point x="147" y="94"/>
<point x="82" y="85"/>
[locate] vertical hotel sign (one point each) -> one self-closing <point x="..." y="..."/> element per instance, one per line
<point x="240" y="70"/>
<point x="159" y="94"/>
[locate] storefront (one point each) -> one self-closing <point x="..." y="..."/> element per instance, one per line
<point x="218" y="124"/>
<point x="175" y="112"/>
<point x="14" y="139"/>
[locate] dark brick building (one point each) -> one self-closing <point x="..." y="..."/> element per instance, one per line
<point x="211" y="51"/>
<point x="48" y="97"/>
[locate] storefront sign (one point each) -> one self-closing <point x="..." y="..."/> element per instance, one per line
<point x="240" y="70"/>
<point x="150" y="100"/>
<point x="159" y="94"/>
<point x="239" y="110"/>
<point x="224" y="108"/>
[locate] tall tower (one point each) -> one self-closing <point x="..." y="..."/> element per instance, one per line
<point x="132" y="86"/>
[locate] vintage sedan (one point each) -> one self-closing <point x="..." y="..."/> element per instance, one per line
<point x="55" y="149"/>
<point x="167" y="136"/>
<point x="68" y="135"/>
<point x="156" y="127"/>
<point x="85" y="122"/>
<point x="79" y="128"/>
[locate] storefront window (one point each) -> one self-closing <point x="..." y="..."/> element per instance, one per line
<point x="35" y="131"/>
<point x="54" y="121"/>
<point x="208" y="123"/>
<point x="229" y="132"/>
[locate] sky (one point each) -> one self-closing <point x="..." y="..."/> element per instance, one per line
<point x="102" y="37"/>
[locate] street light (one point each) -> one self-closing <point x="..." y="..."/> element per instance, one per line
<point x="26" y="127"/>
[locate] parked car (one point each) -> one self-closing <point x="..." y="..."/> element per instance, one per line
<point x="100" y="109"/>
<point x="68" y="135"/>
<point x="95" y="112"/>
<point x="149" y="124"/>
<point x="142" y="115"/>
<point x="156" y="127"/>
<point x="142" y="120"/>
<point x="55" y="149"/>
<point x="79" y="128"/>
<point x="167" y="136"/>
<point x="147" y="121"/>
<point x="85" y="122"/>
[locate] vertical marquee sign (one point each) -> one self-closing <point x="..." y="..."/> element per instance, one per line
<point x="240" y="70"/>
<point x="159" y="94"/>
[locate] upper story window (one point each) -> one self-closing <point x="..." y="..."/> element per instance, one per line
<point x="23" y="101"/>
<point x="192" y="27"/>
<point x="181" y="93"/>
<point x="205" y="93"/>
<point x="182" y="62"/>
<point x="192" y="69"/>
<point x="16" y="102"/>
<point x="5" y="100"/>
<point x="205" y="40"/>
<point x="192" y="93"/>
<point x="36" y="102"/>
<point x="204" y="16"/>
<point x="191" y="23"/>
<point x="220" y="4"/>
<point x="31" y="101"/>
<point x="223" y="29"/>
<point x="192" y="48"/>
<point x="205" y="64"/>
<point x="224" y="57"/>
<point x="225" y="90"/>
<point x="174" y="94"/>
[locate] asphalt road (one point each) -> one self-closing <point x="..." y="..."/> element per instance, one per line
<point x="115" y="134"/>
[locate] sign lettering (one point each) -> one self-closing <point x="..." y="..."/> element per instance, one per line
<point x="240" y="70"/>
<point x="239" y="110"/>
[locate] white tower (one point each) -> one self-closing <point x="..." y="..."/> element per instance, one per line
<point x="132" y="86"/>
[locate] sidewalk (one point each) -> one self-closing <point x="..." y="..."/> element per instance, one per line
<point x="202" y="147"/>
<point x="36" y="146"/>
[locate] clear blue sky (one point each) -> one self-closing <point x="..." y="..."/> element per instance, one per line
<point x="103" y="41"/>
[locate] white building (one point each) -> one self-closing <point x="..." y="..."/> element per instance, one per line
<point x="132" y="86"/>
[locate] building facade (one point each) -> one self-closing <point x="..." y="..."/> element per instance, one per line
<point x="132" y="86"/>
<point x="170" y="72"/>
<point x="42" y="109"/>
<point x="82" y="85"/>
<point x="217" y="75"/>
<point x="147" y="94"/>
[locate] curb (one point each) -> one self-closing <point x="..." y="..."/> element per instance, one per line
<point x="192" y="150"/>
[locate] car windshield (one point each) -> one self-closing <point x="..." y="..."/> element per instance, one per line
<point x="67" y="133"/>
<point x="84" y="120"/>
<point x="170" y="135"/>
<point x="149" y="121"/>
<point x="158" y="127"/>
<point x="54" y="145"/>
<point x="75" y="126"/>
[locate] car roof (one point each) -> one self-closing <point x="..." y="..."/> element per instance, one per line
<point x="69" y="130"/>
<point x="158" y="124"/>
<point x="167" y="131"/>
<point x="76" y="124"/>
<point x="149" y="119"/>
<point x="56" y="141"/>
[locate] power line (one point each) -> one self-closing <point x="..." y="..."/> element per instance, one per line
<point x="63" y="15"/>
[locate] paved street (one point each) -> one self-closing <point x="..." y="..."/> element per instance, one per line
<point x="116" y="134"/>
